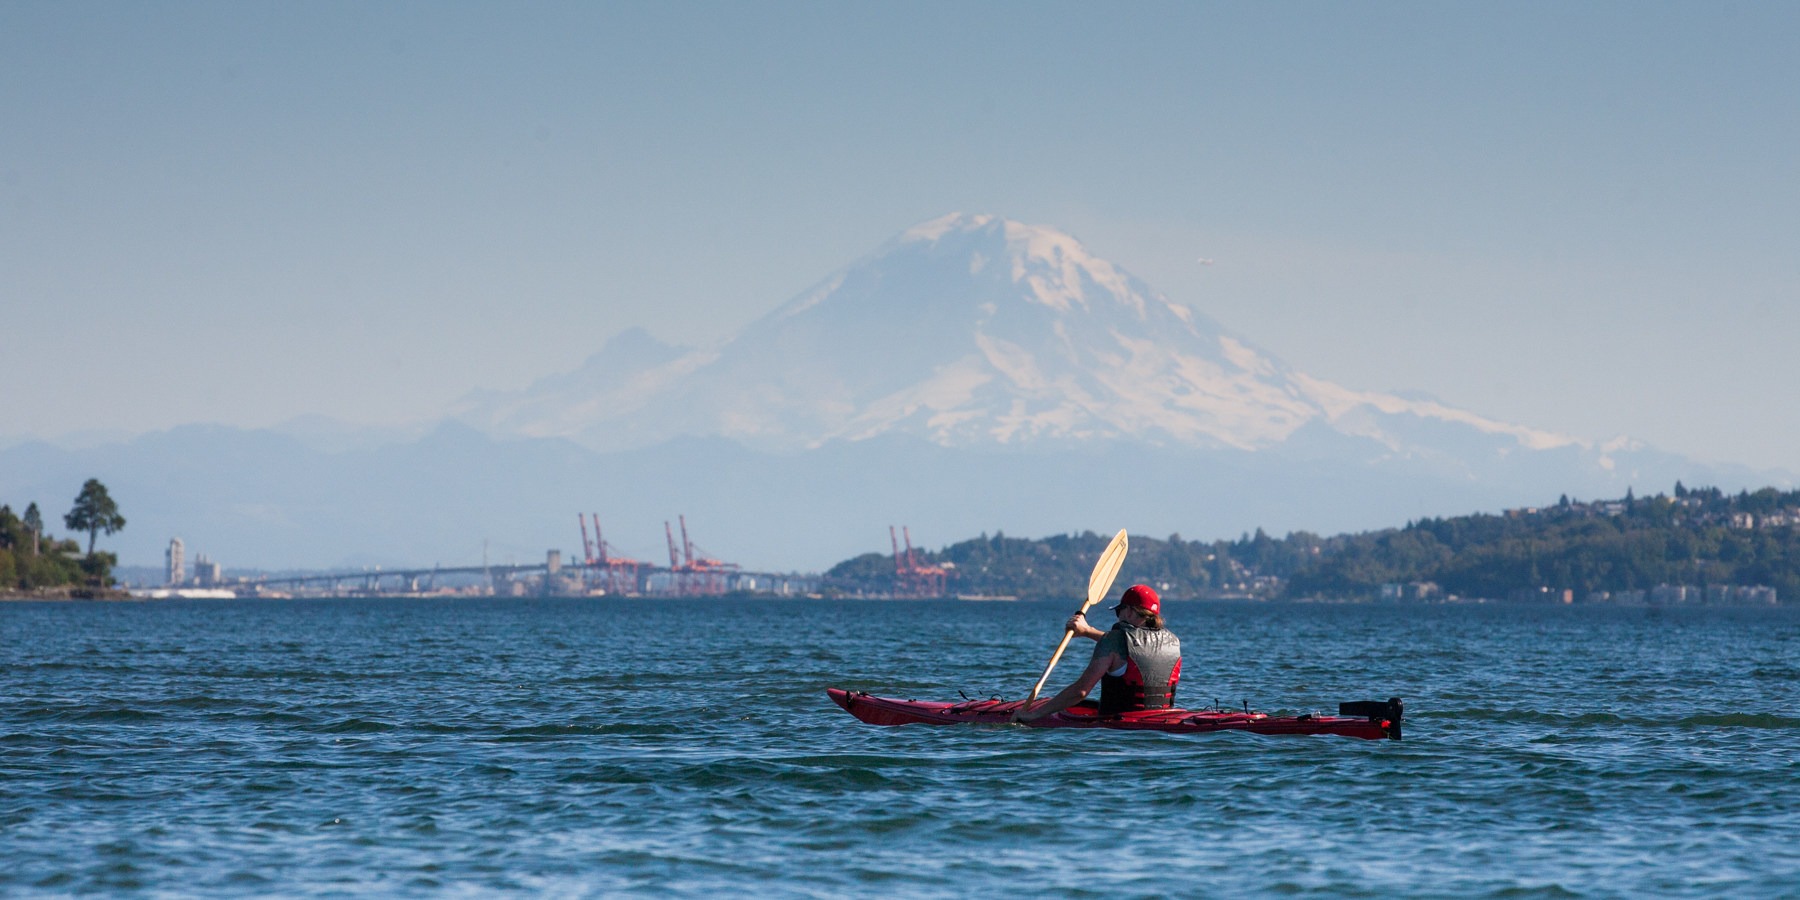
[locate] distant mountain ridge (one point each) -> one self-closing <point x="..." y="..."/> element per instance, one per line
<point x="971" y="375"/>
<point x="970" y="330"/>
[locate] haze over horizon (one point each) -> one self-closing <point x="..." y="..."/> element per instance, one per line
<point x="1574" y="220"/>
<point x="974" y="374"/>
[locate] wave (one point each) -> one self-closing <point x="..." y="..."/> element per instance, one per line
<point x="356" y="725"/>
<point x="1596" y="719"/>
<point x="1740" y="720"/>
<point x="532" y="732"/>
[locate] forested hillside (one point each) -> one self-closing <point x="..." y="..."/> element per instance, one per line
<point x="1696" y="538"/>
<point x="31" y="559"/>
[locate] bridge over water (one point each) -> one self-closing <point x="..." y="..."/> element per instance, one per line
<point x="549" y="577"/>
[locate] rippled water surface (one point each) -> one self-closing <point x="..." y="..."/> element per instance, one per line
<point x="688" y="748"/>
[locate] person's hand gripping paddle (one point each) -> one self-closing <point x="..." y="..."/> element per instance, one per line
<point x="1105" y="570"/>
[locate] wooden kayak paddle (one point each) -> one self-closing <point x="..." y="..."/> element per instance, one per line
<point x="1105" y="570"/>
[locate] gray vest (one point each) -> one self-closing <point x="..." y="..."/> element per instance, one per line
<point x="1152" y="669"/>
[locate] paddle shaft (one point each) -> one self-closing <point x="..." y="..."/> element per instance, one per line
<point x="1054" y="657"/>
<point x="1106" y="568"/>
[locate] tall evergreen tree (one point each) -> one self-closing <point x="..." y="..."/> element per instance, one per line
<point x="94" y="512"/>
<point x="34" y="521"/>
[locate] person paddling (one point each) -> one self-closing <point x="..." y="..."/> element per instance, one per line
<point x="1137" y="664"/>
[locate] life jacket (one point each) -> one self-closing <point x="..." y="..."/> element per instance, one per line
<point x="1152" y="670"/>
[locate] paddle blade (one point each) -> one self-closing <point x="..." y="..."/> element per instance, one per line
<point x="1106" y="569"/>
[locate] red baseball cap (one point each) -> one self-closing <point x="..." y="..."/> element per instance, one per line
<point x="1143" y="597"/>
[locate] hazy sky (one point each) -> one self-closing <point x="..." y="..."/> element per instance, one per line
<point x="1581" y="217"/>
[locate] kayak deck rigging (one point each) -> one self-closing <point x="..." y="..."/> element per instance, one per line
<point x="1369" y="719"/>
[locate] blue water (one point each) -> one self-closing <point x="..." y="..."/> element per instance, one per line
<point x="687" y="748"/>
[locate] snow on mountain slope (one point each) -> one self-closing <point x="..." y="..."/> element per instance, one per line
<point x="877" y="397"/>
<point x="969" y="331"/>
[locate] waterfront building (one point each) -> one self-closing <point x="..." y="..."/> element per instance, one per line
<point x="206" y="572"/>
<point x="175" y="555"/>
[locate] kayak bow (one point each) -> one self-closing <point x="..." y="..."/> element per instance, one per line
<point x="1371" y="719"/>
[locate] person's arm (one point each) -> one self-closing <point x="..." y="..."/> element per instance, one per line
<point x="1072" y="694"/>
<point x="1078" y="624"/>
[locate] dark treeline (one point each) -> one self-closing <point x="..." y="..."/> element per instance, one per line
<point x="32" y="559"/>
<point x="1695" y="537"/>
<point x="1059" y="566"/>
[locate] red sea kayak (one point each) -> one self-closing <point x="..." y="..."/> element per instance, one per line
<point x="1372" y="719"/>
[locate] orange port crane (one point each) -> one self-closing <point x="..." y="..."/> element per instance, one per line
<point x="692" y="573"/>
<point x="913" y="577"/>
<point x="612" y="573"/>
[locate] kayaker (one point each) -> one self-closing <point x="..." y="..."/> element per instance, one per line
<point x="1137" y="664"/>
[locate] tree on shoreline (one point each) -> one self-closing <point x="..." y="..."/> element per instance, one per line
<point x="31" y="560"/>
<point x="34" y="522"/>
<point x="94" y="512"/>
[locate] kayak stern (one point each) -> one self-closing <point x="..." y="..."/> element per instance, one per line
<point x="1387" y="715"/>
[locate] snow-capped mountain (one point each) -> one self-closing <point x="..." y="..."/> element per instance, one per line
<point x="973" y="374"/>
<point x="968" y="331"/>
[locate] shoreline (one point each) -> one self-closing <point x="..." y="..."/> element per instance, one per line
<point x="66" y="593"/>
